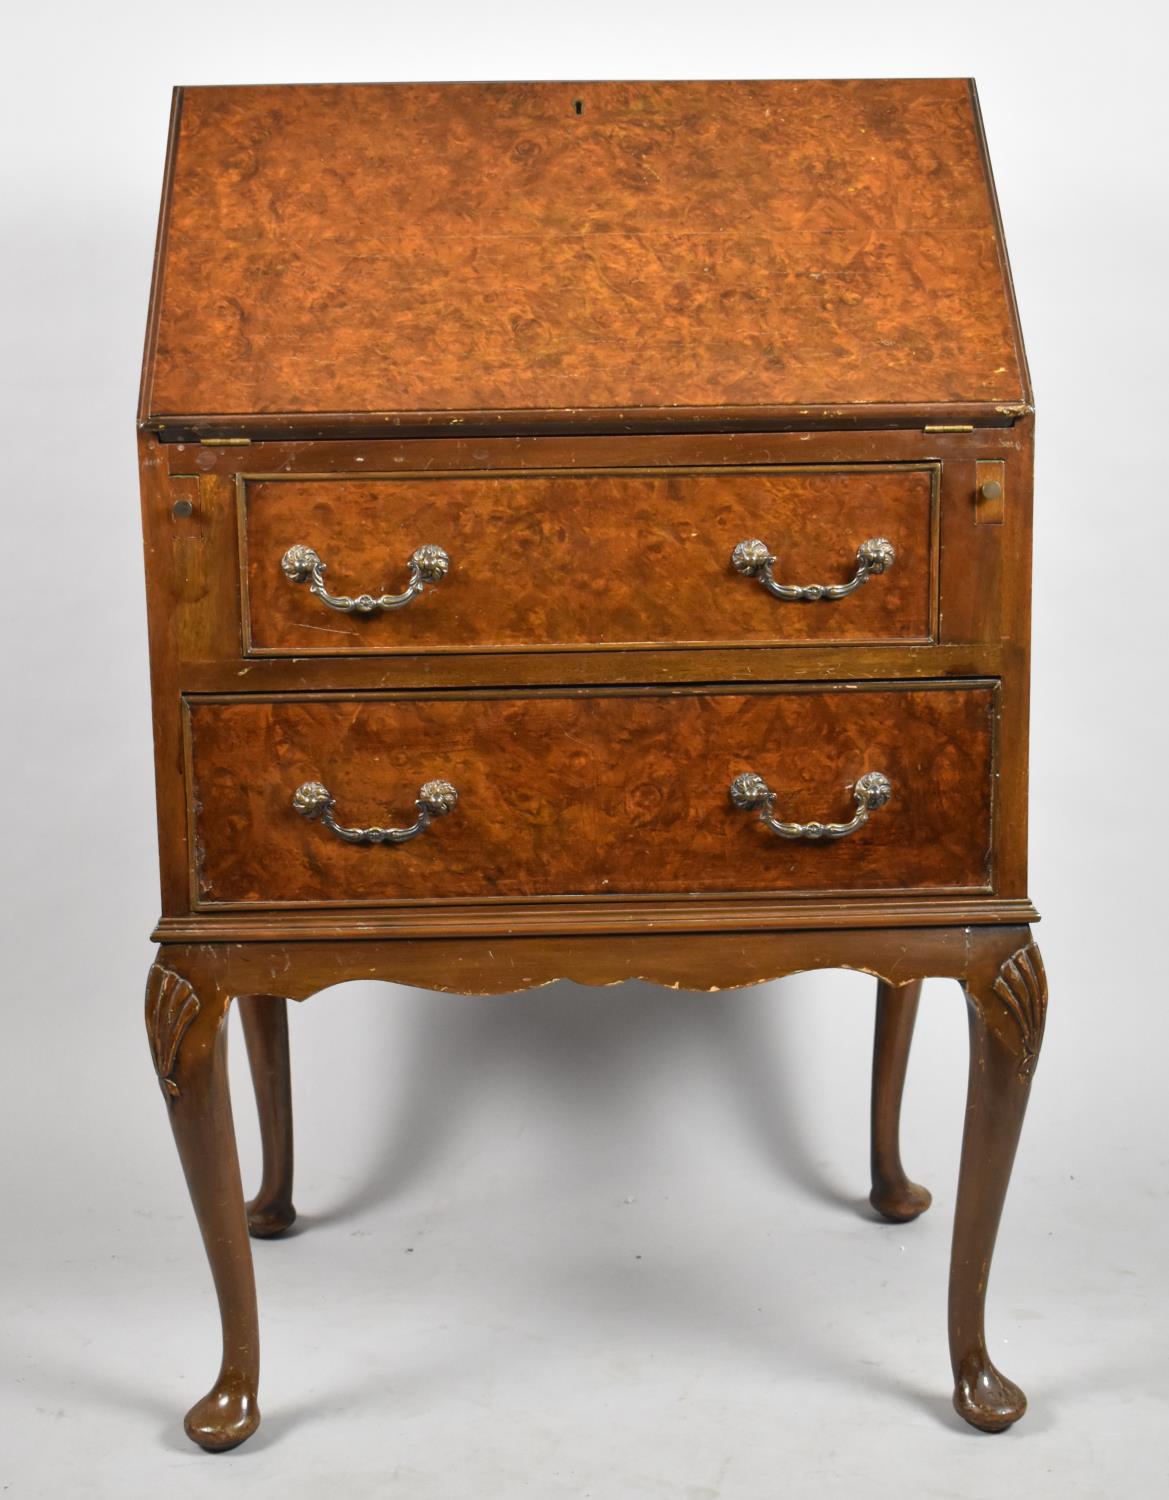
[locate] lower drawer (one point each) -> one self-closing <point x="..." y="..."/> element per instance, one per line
<point x="597" y="793"/>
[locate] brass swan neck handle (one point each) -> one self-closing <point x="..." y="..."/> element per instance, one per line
<point x="750" y="793"/>
<point x="754" y="559"/>
<point x="301" y="564"/>
<point x="314" y="801"/>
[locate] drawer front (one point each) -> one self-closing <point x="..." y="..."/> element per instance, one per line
<point x="598" y="794"/>
<point x="558" y="561"/>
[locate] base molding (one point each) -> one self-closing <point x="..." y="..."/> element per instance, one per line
<point x="590" y="918"/>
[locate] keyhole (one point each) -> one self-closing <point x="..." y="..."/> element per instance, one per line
<point x="578" y="106"/>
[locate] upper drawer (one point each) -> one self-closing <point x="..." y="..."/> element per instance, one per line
<point x="570" y="561"/>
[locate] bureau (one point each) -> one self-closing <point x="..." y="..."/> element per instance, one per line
<point x="587" y="536"/>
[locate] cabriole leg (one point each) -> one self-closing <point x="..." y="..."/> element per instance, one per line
<point x="893" y="1195"/>
<point x="265" y="1023"/>
<point x="1007" y="1010"/>
<point x="188" y="1041"/>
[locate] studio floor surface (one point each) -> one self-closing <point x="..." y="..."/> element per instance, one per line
<point x="592" y="1245"/>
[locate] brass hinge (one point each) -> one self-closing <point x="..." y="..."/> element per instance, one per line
<point x="942" y="427"/>
<point x="225" y="442"/>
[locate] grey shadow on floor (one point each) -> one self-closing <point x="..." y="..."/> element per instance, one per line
<point x="590" y="1049"/>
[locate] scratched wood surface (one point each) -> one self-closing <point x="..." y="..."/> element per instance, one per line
<point x="607" y="794"/>
<point x="543" y="247"/>
<point x="541" y="562"/>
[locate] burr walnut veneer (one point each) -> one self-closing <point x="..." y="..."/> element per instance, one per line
<point x="588" y="536"/>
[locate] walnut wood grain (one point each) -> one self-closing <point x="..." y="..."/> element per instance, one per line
<point x="193" y="596"/>
<point x="611" y="794"/>
<point x="394" y="454"/>
<point x="171" y="1007"/>
<point x="563" y="321"/>
<point x="727" y="915"/>
<point x="701" y="962"/>
<point x="774" y="245"/>
<point x="265" y="1027"/>
<point x="999" y="967"/>
<point x="892" y="1193"/>
<point x="544" y="562"/>
<point x="1007" y="1009"/>
<point x="185" y="1015"/>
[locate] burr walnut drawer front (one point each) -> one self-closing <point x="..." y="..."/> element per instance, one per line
<point x="766" y="555"/>
<point x="373" y="800"/>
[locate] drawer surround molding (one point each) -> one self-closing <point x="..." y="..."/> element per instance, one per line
<point x="661" y="473"/>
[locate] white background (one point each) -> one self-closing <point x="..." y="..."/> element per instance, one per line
<point x="465" y="1313"/>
